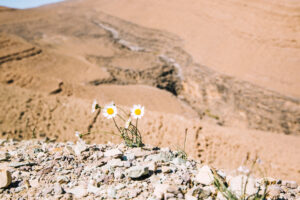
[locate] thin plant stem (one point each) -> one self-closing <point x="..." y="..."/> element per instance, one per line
<point x="130" y="125"/>
<point x="117" y="125"/>
<point x="106" y="132"/>
<point x="136" y="130"/>
<point x="122" y="111"/>
<point x="185" y="139"/>
<point x="121" y="117"/>
<point x="94" y="120"/>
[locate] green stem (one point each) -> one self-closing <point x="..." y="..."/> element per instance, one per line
<point x="117" y="125"/>
<point x="185" y="139"/>
<point x="121" y="117"/>
<point x="122" y="111"/>
<point x="136" y="130"/>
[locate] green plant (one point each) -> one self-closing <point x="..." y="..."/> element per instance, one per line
<point x="181" y="152"/>
<point x="209" y="114"/>
<point x="129" y="132"/>
<point x="223" y="187"/>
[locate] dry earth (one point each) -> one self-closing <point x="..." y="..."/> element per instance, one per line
<point x="54" y="62"/>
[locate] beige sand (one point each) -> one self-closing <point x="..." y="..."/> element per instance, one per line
<point x="257" y="41"/>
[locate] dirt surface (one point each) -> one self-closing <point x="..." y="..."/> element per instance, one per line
<point x="54" y="62"/>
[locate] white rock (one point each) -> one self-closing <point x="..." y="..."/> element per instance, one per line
<point x="111" y="192"/>
<point x="130" y="156"/>
<point x="160" y="157"/>
<point x="274" y="191"/>
<point x="166" y="169"/>
<point x="93" y="189"/>
<point x="160" y="190"/>
<point x="5" y="178"/>
<point x="137" y="171"/>
<point x="34" y="183"/>
<point x="178" y="161"/>
<point x="79" y="147"/>
<point x="237" y="183"/>
<point x="190" y="197"/>
<point x="79" y="191"/>
<point x="292" y="184"/>
<point x="120" y="186"/>
<point x="115" y="153"/>
<point x="205" y="176"/>
<point x="119" y="173"/>
<point x="58" y="189"/>
<point x="139" y="152"/>
<point x="115" y="163"/>
<point x="152" y="166"/>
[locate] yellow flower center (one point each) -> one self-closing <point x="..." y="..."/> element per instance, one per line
<point x="137" y="111"/>
<point x="110" y="111"/>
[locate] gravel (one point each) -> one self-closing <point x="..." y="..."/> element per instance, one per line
<point x="41" y="170"/>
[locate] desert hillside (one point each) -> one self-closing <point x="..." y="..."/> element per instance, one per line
<point x="257" y="41"/>
<point x="106" y="171"/>
<point x="227" y="71"/>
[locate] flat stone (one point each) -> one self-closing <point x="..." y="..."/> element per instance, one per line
<point x="237" y="183"/>
<point x="137" y="171"/>
<point x="152" y="166"/>
<point x="160" y="190"/>
<point x="115" y="163"/>
<point x="79" y="191"/>
<point x="160" y="157"/>
<point x="178" y="161"/>
<point x="21" y="164"/>
<point x="34" y="183"/>
<point x="274" y="191"/>
<point x="130" y="156"/>
<point x="93" y="189"/>
<point x="291" y="184"/>
<point x="134" y="193"/>
<point x="119" y="174"/>
<point x="115" y="153"/>
<point x="139" y="152"/>
<point x="79" y="147"/>
<point x="166" y="169"/>
<point x="172" y="189"/>
<point x="58" y="189"/>
<point x="205" y="176"/>
<point x="111" y="192"/>
<point x="5" y="178"/>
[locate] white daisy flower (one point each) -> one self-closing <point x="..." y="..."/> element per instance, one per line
<point x="94" y="106"/>
<point x="127" y="123"/>
<point x="243" y="169"/>
<point x="110" y="111"/>
<point x="137" y="112"/>
<point x="77" y="134"/>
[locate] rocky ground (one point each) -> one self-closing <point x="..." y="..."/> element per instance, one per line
<point x="45" y="170"/>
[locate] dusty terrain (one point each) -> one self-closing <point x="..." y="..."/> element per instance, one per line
<point x="46" y="170"/>
<point x="54" y="62"/>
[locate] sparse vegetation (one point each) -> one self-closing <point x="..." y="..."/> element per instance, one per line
<point x="181" y="152"/>
<point x="129" y="132"/>
<point x="223" y="187"/>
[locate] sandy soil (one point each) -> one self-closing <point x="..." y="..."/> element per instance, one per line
<point x="54" y="62"/>
<point x="256" y="41"/>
